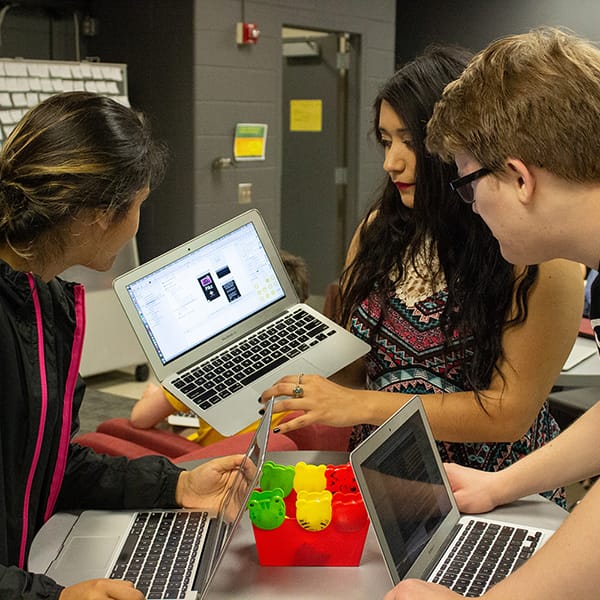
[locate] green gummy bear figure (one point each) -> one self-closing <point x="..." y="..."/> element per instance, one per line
<point x="277" y="476"/>
<point x="267" y="508"/>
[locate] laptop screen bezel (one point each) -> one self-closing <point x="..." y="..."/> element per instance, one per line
<point x="226" y="337"/>
<point x="362" y="453"/>
<point x="256" y="452"/>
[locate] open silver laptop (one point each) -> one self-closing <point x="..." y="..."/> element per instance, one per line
<point x="175" y="555"/>
<point x="220" y="322"/>
<point x="415" y="518"/>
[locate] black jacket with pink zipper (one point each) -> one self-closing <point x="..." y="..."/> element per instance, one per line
<point x="41" y="471"/>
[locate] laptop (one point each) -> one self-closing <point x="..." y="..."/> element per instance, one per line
<point x="582" y="349"/>
<point x="415" y="518"/>
<point x="111" y="543"/>
<point x="219" y="321"/>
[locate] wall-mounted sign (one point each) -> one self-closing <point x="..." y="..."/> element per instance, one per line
<point x="250" y="141"/>
<point x="306" y="115"/>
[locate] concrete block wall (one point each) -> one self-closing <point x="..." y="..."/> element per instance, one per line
<point x="186" y="70"/>
<point x="244" y="84"/>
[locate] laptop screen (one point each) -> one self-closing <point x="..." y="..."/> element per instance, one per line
<point x="204" y="293"/>
<point x="407" y="490"/>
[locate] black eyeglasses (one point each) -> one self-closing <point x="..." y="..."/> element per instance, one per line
<point x="462" y="186"/>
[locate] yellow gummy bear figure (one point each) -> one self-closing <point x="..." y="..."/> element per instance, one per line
<point x="309" y="478"/>
<point x="313" y="509"/>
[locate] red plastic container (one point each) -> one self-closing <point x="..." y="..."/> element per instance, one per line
<point x="290" y="545"/>
<point x="340" y="544"/>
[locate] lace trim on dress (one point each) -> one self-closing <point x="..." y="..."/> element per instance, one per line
<point x="420" y="282"/>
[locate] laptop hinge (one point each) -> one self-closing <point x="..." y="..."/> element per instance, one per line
<point x="442" y="550"/>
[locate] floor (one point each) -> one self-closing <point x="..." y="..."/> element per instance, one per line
<point x="109" y="395"/>
<point x="120" y="383"/>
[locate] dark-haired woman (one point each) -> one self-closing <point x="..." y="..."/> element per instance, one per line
<point x="480" y="340"/>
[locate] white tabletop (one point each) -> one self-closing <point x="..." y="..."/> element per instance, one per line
<point x="240" y="576"/>
<point x="587" y="372"/>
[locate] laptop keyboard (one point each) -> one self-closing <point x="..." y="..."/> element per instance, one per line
<point x="238" y="366"/>
<point x="161" y="553"/>
<point x="484" y="554"/>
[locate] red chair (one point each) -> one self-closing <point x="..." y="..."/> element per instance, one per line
<point x="319" y="437"/>
<point x="117" y="437"/>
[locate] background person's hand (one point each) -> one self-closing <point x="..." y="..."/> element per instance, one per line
<point x="101" y="589"/>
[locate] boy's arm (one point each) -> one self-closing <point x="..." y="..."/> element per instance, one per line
<point x="570" y="457"/>
<point x="567" y="564"/>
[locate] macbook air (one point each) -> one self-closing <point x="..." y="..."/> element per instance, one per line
<point x="167" y="554"/>
<point x="416" y="521"/>
<point x="220" y="322"/>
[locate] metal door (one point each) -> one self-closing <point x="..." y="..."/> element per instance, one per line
<point x="314" y="154"/>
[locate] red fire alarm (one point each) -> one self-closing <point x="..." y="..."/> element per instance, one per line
<point x="247" y="33"/>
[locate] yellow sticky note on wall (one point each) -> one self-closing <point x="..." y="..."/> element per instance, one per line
<point x="306" y="115"/>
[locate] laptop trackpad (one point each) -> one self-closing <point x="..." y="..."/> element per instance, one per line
<point x="76" y="563"/>
<point x="293" y="367"/>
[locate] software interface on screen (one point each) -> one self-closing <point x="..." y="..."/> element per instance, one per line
<point x="406" y="486"/>
<point x="205" y="292"/>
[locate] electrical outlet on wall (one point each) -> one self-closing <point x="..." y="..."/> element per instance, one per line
<point x="244" y="193"/>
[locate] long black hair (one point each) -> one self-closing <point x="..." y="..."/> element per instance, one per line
<point x="482" y="286"/>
